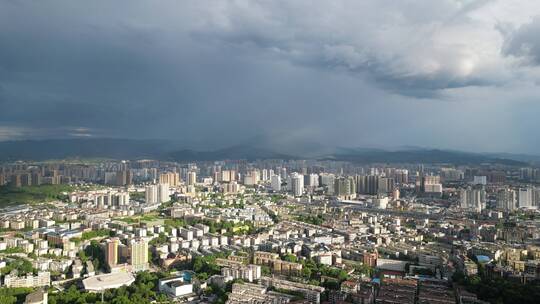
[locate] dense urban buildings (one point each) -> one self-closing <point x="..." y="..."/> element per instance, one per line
<point x="274" y="230"/>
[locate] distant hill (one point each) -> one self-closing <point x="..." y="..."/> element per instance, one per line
<point x="434" y="156"/>
<point x="39" y="150"/>
<point x="169" y="150"/>
<point x="236" y="152"/>
<point x="83" y="148"/>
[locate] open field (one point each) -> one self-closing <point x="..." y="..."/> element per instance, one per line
<point x="33" y="194"/>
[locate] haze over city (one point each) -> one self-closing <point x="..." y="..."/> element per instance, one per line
<point x="441" y="74"/>
<point x="269" y="152"/>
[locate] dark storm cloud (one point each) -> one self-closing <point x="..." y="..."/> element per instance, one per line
<point x="406" y="47"/>
<point x="523" y="42"/>
<point x="218" y="73"/>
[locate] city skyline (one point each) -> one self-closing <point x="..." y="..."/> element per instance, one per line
<point x="457" y="75"/>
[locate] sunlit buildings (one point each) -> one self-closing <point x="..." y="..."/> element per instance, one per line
<point x="297" y="184"/>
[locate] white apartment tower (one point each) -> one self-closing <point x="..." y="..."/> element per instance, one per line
<point x="275" y="182"/>
<point x="297" y="184"/>
<point x="151" y="194"/>
<point x="163" y="193"/>
<point x="507" y="200"/>
<point x="472" y="198"/>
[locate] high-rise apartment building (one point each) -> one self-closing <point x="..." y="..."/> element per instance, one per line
<point x="507" y="200"/>
<point x="344" y="187"/>
<point x="124" y="178"/>
<point x="151" y="194"/>
<point x="312" y="180"/>
<point x="163" y="193"/>
<point x="111" y="252"/>
<point x="275" y="182"/>
<point x="327" y="181"/>
<point x="170" y="178"/>
<point x="526" y="198"/>
<point x="473" y="199"/>
<point x="138" y="249"/>
<point x="297" y="184"/>
<point x="191" y="178"/>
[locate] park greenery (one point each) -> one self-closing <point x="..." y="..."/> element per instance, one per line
<point x="311" y="219"/>
<point x="498" y="290"/>
<point x="144" y="290"/>
<point x="12" y="250"/>
<point x="139" y="219"/>
<point x="95" y="253"/>
<point x="205" y="266"/>
<point x="21" y="265"/>
<point x="243" y="228"/>
<point x="33" y="194"/>
<point x="13" y="295"/>
<point x="88" y="235"/>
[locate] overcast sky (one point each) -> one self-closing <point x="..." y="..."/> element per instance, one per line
<point x="459" y="74"/>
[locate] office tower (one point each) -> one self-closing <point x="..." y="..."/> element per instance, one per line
<point x="138" y="249"/>
<point x="191" y="178"/>
<point x="111" y="252"/>
<point x="507" y="200"/>
<point x="163" y="193"/>
<point x="151" y="194"/>
<point x="297" y="184"/>
<point x="473" y="199"/>
<point x="170" y="178"/>
<point x="275" y="182"/>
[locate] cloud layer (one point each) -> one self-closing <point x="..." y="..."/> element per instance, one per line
<point x="449" y="74"/>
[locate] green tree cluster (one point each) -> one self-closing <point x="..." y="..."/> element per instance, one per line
<point x="23" y="266"/>
<point x="13" y="295"/>
<point x="499" y="290"/>
<point x="311" y="219"/>
<point x="143" y="291"/>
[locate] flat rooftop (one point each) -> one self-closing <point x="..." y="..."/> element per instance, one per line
<point x="107" y="281"/>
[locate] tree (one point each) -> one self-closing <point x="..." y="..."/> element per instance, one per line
<point x="7" y="299"/>
<point x="291" y="258"/>
<point x="306" y="272"/>
<point x="83" y="256"/>
<point x="265" y="270"/>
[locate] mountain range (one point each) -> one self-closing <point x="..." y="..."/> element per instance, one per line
<point x="39" y="150"/>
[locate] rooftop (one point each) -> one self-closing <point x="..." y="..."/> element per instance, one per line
<point x="110" y="280"/>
